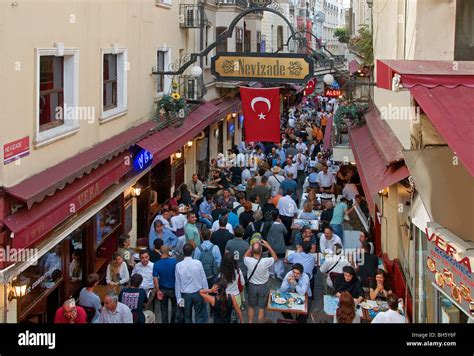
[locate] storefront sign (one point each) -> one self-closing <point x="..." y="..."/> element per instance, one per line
<point x="262" y="67"/>
<point x="42" y="218"/>
<point x="16" y="149"/>
<point x="332" y="93"/>
<point x="141" y="160"/>
<point x="449" y="265"/>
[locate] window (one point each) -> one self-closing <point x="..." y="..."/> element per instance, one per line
<point x="221" y="47"/>
<point x="464" y="37"/>
<point x="239" y="34"/>
<point x="114" y="83"/>
<point x="259" y="41"/>
<point x="280" y="38"/>
<point x="160" y="62"/>
<point x="247" y="40"/>
<point x="57" y="94"/>
<point x="110" y="82"/>
<point x="163" y="82"/>
<point x="107" y="220"/>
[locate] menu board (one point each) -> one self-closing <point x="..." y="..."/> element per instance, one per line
<point x="449" y="266"/>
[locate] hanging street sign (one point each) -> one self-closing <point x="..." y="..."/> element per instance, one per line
<point x="262" y="67"/>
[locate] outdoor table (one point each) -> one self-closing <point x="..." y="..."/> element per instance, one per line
<point x="315" y="212"/>
<point x="299" y="223"/>
<point x="210" y="189"/>
<point x="281" y="302"/>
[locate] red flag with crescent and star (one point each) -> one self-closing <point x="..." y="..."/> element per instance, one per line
<point x="261" y="108"/>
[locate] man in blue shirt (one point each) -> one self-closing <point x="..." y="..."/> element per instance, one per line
<point x="207" y="245"/>
<point x="297" y="281"/>
<point x="307" y="260"/>
<point x="289" y="184"/>
<point x="160" y="232"/>
<point x="205" y="209"/>
<point x="164" y="279"/>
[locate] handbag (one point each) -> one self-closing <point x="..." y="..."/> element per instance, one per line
<point x="254" y="269"/>
<point x="239" y="282"/>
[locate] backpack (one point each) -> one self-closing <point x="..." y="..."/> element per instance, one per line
<point x="236" y="208"/>
<point x="208" y="262"/>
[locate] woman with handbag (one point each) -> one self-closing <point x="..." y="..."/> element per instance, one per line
<point x="234" y="278"/>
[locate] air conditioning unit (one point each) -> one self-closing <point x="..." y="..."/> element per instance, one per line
<point x="192" y="89"/>
<point x="190" y="13"/>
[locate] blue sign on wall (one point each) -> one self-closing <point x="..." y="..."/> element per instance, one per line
<point x="141" y="160"/>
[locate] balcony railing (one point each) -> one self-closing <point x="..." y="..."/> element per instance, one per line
<point x="239" y="3"/>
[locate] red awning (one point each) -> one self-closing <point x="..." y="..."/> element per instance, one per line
<point x="30" y="225"/>
<point x="163" y="143"/>
<point x="452" y="113"/>
<point x="387" y="143"/>
<point x="36" y="188"/>
<point x="445" y="92"/>
<point x="374" y="173"/>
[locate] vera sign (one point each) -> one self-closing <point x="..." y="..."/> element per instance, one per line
<point x="451" y="250"/>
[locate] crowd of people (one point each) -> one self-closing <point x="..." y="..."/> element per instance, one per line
<point x="221" y="240"/>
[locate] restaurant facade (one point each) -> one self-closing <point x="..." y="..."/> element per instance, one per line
<point x="62" y="217"/>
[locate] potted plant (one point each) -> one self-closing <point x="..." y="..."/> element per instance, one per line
<point x="172" y="107"/>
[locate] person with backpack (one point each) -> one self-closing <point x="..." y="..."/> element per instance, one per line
<point x="258" y="225"/>
<point x="221" y="236"/>
<point x="258" y="274"/>
<point x="210" y="257"/>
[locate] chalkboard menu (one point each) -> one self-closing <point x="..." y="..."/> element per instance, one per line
<point x="128" y="221"/>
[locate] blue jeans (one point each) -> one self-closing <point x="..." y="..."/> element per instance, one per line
<point x="205" y="221"/>
<point x="194" y="300"/>
<point x="338" y="230"/>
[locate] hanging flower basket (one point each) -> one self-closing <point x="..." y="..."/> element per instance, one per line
<point x="171" y="107"/>
<point x="351" y="115"/>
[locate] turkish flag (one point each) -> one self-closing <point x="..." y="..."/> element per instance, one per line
<point x="261" y="109"/>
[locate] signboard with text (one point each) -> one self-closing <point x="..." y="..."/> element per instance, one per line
<point x="262" y="67"/>
<point x="449" y="266"/>
<point x="16" y="149"/>
<point x="332" y="93"/>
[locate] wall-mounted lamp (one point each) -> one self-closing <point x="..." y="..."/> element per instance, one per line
<point x="383" y="192"/>
<point x="136" y="190"/>
<point x="189" y="144"/>
<point x="178" y="155"/>
<point x="234" y="115"/>
<point x="19" y="287"/>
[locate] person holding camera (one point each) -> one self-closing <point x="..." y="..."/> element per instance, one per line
<point x="258" y="273"/>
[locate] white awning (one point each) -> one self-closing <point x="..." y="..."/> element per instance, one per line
<point x="419" y="215"/>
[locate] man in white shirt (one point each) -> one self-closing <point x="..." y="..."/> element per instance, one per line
<point x="326" y="180"/>
<point x="350" y="191"/>
<point x="391" y="316"/>
<point x="215" y="225"/>
<point x="328" y="240"/>
<point x="287" y="209"/>
<point x="246" y="175"/>
<point x="301" y="145"/>
<point x="334" y="263"/>
<point x="258" y="274"/>
<point x="145" y="268"/>
<point x="291" y="122"/>
<point x="164" y="217"/>
<point x="291" y="168"/>
<point x="275" y="180"/>
<point x="190" y="279"/>
<point x="196" y="188"/>
<point x="300" y="160"/>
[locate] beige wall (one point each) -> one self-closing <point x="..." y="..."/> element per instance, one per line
<point x="139" y="26"/>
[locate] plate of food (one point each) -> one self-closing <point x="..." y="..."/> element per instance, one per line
<point x="431" y="264"/>
<point x="280" y="300"/>
<point x="366" y="305"/>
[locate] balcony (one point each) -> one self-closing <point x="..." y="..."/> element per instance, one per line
<point x="238" y="3"/>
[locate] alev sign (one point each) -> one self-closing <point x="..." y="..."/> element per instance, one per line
<point x="262" y="67"/>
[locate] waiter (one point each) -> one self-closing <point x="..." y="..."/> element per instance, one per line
<point x="326" y="180"/>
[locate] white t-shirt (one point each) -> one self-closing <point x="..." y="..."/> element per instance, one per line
<point x="287" y="206"/>
<point x="389" y="317"/>
<point x="330" y="263"/>
<point x="246" y="175"/>
<point x="215" y="227"/>
<point x="275" y="181"/>
<point x="293" y="169"/>
<point x="262" y="273"/>
<point x="325" y="180"/>
<point x="350" y="191"/>
<point x="291" y="122"/>
<point x="233" y="288"/>
<point x="179" y="221"/>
